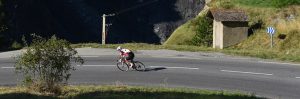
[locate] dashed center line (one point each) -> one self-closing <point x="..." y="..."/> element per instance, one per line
<point x="254" y="73"/>
<point x="8" y="67"/>
<point x="89" y="56"/>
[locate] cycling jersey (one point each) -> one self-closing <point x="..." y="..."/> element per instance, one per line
<point x="125" y="52"/>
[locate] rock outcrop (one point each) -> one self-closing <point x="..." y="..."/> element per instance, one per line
<point x="147" y="21"/>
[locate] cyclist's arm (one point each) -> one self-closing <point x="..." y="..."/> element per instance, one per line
<point x="121" y="55"/>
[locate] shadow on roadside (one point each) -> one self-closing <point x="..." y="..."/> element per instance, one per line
<point x="8" y="49"/>
<point x="154" y="69"/>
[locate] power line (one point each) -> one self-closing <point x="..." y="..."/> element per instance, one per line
<point x="135" y="7"/>
<point x="105" y="26"/>
<point x="131" y="8"/>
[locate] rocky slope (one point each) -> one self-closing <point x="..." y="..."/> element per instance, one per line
<point x="147" y="21"/>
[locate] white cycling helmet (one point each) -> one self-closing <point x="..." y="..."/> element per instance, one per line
<point x="119" y="48"/>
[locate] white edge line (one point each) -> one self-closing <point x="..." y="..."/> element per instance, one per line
<point x="298" y="77"/>
<point x="246" y="72"/>
<point x="8" y="67"/>
<point x="86" y="56"/>
<point x="279" y="63"/>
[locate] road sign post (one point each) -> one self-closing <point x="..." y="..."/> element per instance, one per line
<point x="271" y="32"/>
<point x="272" y="41"/>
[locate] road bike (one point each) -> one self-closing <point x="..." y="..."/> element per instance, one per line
<point x="124" y="66"/>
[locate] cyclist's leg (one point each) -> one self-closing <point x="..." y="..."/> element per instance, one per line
<point x="132" y="57"/>
<point x="129" y="59"/>
<point x="127" y="62"/>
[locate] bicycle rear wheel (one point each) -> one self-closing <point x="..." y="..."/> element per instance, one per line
<point x="122" y="66"/>
<point x="139" y="66"/>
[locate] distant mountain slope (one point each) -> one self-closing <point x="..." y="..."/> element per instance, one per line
<point x="148" y="21"/>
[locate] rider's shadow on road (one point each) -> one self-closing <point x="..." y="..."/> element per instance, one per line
<point x="155" y="69"/>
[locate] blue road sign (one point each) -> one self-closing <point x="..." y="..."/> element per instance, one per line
<point x="271" y="30"/>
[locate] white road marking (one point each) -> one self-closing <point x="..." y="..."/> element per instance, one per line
<point x="279" y="63"/>
<point x="87" y="56"/>
<point x="230" y="71"/>
<point x="8" y="67"/>
<point x="298" y="77"/>
<point x="173" y="67"/>
<point x="149" y="66"/>
<point x="97" y="65"/>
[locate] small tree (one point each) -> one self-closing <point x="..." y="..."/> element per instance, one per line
<point x="204" y="32"/>
<point x="46" y="64"/>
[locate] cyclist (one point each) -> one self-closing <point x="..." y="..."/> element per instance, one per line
<point x="128" y="54"/>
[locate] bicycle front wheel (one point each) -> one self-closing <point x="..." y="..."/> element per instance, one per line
<point x="122" y="66"/>
<point x="139" y="66"/>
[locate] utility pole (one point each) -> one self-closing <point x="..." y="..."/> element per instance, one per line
<point x="103" y="29"/>
<point x="104" y="32"/>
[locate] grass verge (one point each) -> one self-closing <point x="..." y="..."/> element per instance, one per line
<point x="144" y="46"/>
<point x="286" y="55"/>
<point x="122" y="92"/>
<point x="280" y="14"/>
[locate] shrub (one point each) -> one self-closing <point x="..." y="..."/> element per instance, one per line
<point x="46" y="64"/>
<point x="204" y="32"/>
<point x="16" y="45"/>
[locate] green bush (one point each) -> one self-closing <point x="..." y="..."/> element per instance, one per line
<point x="204" y="32"/>
<point x="46" y="64"/>
<point x="16" y="45"/>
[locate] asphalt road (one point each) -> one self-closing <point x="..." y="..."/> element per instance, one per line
<point x="266" y="79"/>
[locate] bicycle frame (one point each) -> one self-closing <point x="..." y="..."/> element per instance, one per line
<point x="123" y="60"/>
<point x="139" y="66"/>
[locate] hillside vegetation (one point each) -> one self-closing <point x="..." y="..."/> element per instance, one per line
<point x="283" y="15"/>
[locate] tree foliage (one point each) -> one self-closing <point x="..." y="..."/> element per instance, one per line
<point x="46" y="65"/>
<point x="204" y="32"/>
